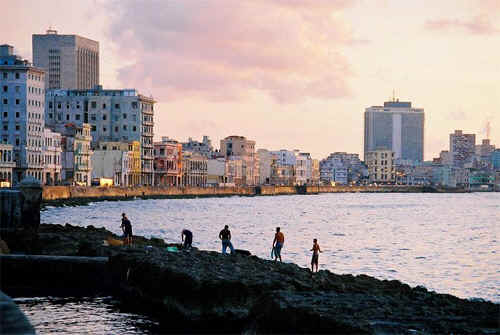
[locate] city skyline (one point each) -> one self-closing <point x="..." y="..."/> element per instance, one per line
<point x="301" y="84"/>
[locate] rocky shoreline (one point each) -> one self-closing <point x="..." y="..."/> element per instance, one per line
<point x="207" y="292"/>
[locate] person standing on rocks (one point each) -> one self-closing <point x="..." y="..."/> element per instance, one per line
<point x="187" y="238"/>
<point x="127" y="229"/>
<point x="279" y="240"/>
<point x="316" y="250"/>
<point x="225" y="236"/>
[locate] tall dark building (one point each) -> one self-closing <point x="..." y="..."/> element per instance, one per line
<point x="395" y="126"/>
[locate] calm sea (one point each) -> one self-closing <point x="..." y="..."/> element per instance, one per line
<point x="445" y="242"/>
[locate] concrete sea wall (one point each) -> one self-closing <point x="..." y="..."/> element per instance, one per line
<point x="61" y="193"/>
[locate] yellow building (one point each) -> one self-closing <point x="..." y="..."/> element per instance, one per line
<point x="381" y="168"/>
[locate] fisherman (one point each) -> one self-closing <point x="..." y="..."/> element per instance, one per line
<point x="187" y="238"/>
<point x="225" y="236"/>
<point x="316" y="250"/>
<point x="127" y="229"/>
<point x="279" y="240"/>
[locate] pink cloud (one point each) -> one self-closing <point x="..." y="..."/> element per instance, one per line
<point x="289" y="50"/>
<point x="479" y="25"/>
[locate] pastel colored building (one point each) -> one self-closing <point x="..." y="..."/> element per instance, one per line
<point x="76" y="154"/>
<point x="52" y="155"/>
<point x="381" y="167"/>
<point x="7" y="164"/>
<point x="194" y="169"/>
<point x="168" y="162"/>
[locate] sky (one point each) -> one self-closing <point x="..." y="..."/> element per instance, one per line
<point x="289" y="74"/>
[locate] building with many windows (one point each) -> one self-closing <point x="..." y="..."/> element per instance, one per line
<point x="7" y="164"/>
<point x="395" y="126"/>
<point x="52" y="154"/>
<point x="113" y="115"/>
<point x="76" y="154"/>
<point x="381" y="167"/>
<point x="22" y="102"/>
<point x="462" y="148"/>
<point x="194" y="169"/>
<point x="168" y="162"/>
<point x="204" y="147"/>
<point x="119" y="161"/>
<point x="70" y="61"/>
<point x="239" y="148"/>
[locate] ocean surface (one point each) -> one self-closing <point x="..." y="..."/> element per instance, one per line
<point x="445" y="242"/>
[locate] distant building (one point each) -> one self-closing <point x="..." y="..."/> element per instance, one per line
<point x="303" y="169"/>
<point x="168" y="162"/>
<point x="119" y="161"/>
<point x="381" y="167"/>
<point x="52" y="155"/>
<point x="7" y="164"/>
<point x="70" y="61"/>
<point x="76" y="154"/>
<point x="462" y="148"/>
<point x="204" y="147"/>
<point x="22" y="101"/>
<point x="396" y="126"/>
<point x="194" y="169"/>
<point x="265" y="160"/>
<point x="315" y="172"/>
<point x="341" y="168"/>
<point x="239" y="148"/>
<point x="113" y="115"/>
<point x="235" y="171"/>
<point x="216" y="171"/>
<point x="495" y="159"/>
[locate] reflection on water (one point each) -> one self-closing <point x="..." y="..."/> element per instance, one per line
<point x="51" y="315"/>
<point x="445" y="242"/>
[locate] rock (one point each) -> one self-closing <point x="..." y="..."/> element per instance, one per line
<point x="199" y="291"/>
<point x="4" y="249"/>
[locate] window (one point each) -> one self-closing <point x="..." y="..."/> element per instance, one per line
<point x="104" y="130"/>
<point x="5" y="75"/>
<point x="50" y="104"/>
<point x="77" y="117"/>
<point x="5" y="101"/>
<point x="93" y="104"/>
<point x="17" y="114"/>
<point x="17" y="127"/>
<point x="6" y="88"/>
<point x="5" y="127"/>
<point x="134" y="104"/>
<point x="124" y="116"/>
<point x="117" y="106"/>
<point x="103" y="106"/>
<point x="17" y="89"/>
<point x="17" y="101"/>
<point x="17" y="75"/>
<point x="116" y="129"/>
<point x="59" y="106"/>
<point x="50" y="115"/>
<point x="17" y="141"/>
<point x="92" y="117"/>
<point x="67" y="117"/>
<point x="124" y="127"/>
<point x="134" y="128"/>
<point x="5" y="114"/>
<point x="104" y="117"/>
<point x="93" y="128"/>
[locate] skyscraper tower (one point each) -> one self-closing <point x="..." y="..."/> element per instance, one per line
<point x="70" y="61"/>
<point x="395" y="126"/>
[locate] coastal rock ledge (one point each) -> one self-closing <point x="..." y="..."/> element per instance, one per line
<point x="207" y="292"/>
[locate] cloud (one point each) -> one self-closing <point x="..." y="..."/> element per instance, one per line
<point x="224" y="50"/>
<point x="479" y="25"/>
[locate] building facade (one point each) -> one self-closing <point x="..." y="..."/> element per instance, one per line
<point x="396" y="126"/>
<point x="381" y="167"/>
<point x="265" y="160"/>
<point x="216" y="172"/>
<point x="70" y="61"/>
<point x="119" y="161"/>
<point x="194" y="169"/>
<point x="52" y="155"/>
<point x="7" y="164"/>
<point x="239" y="148"/>
<point x="113" y="115"/>
<point x="168" y="162"/>
<point x="76" y="154"/>
<point x="22" y="101"/>
<point x="462" y="148"/>
<point x="204" y="147"/>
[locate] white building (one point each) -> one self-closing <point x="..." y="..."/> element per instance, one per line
<point x="216" y="171"/>
<point x="22" y="102"/>
<point x="303" y="169"/>
<point x="113" y="160"/>
<point x="265" y="162"/>
<point x="76" y="156"/>
<point x="52" y="154"/>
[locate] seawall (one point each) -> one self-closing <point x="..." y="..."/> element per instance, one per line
<point x="55" y="194"/>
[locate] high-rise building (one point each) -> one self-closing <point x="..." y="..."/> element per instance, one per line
<point x="70" y="61"/>
<point x="113" y="115"/>
<point x="22" y="102"/>
<point x="462" y="148"/>
<point x="238" y="147"/>
<point x="396" y="126"/>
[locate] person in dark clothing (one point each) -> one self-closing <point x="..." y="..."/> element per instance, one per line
<point x="127" y="229"/>
<point x="225" y="236"/>
<point x="187" y="238"/>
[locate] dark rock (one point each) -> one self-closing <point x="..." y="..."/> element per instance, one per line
<point x="12" y="320"/>
<point x="198" y="291"/>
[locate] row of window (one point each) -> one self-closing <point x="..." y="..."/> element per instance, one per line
<point x="117" y="129"/>
<point x="5" y="156"/>
<point x="52" y="159"/>
<point x="35" y="103"/>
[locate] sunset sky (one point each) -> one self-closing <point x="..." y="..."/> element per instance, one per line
<point x="294" y="74"/>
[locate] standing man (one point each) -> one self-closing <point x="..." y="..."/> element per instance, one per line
<point x="225" y="236"/>
<point x="316" y="250"/>
<point x="279" y="240"/>
<point x="187" y="238"/>
<point x="127" y="229"/>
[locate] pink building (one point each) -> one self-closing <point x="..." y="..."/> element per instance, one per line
<point x="167" y="162"/>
